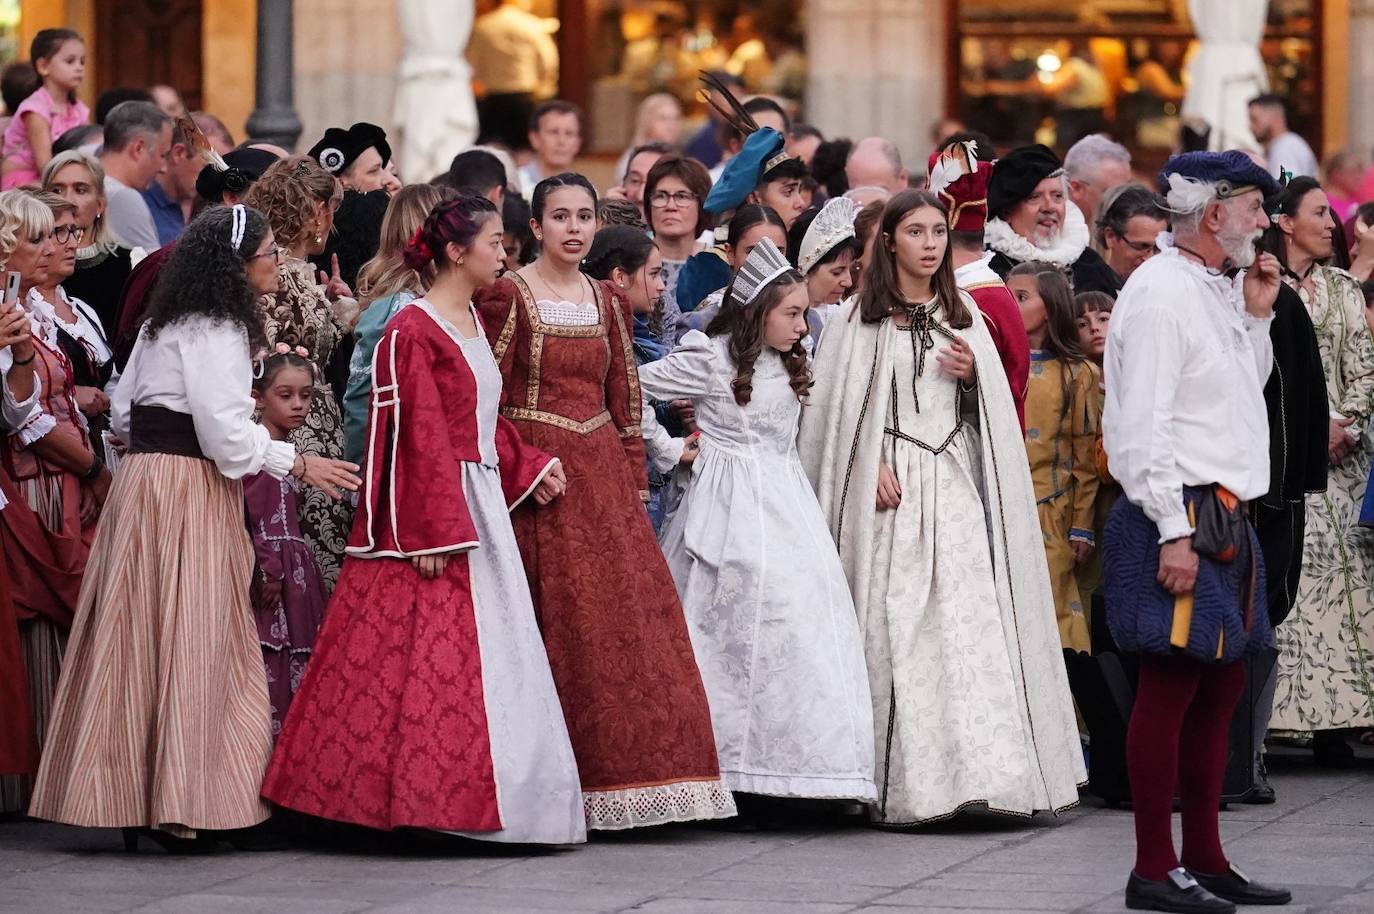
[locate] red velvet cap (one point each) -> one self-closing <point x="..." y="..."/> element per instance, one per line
<point x="961" y="181"/>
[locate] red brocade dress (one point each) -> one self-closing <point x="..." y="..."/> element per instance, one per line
<point x="607" y="607"/>
<point x="429" y="702"/>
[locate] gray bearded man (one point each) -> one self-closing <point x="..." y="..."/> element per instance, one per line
<point x="1186" y="433"/>
<point x="1031" y="218"/>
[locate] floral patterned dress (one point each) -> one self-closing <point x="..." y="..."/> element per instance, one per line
<point x="1324" y="667"/>
<point x="287" y="625"/>
<point x="300" y="315"/>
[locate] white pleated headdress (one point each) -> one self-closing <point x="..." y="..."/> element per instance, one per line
<point x="832" y="225"/>
<point x="764" y="264"/>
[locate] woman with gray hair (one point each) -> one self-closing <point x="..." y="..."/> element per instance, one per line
<point x="50" y="475"/>
<point x="102" y="264"/>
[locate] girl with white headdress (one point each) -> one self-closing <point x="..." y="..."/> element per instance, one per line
<point x="769" y="611"/>
<point x="822" y="246"/>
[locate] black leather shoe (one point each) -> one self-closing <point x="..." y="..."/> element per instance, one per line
<point x="1234" y="885"/>
<point x="1262" y="793"/>
<point x="1179" y="893"/>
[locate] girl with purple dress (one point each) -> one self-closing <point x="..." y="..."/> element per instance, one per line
<point x="288" y="591"/>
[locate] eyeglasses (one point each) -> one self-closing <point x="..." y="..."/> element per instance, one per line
<point x="1140" y="247"/>
<point x="275" y="254"/>
<point x="64" y="233"/>
<point x="682" y="198"/>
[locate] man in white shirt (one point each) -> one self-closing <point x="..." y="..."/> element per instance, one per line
<point x="1284" y="150"/>
<point x="556" y="138"/>
<point x="1186" y="433"/>
<point x="1093" y="166"/>
<point x="138" y="138"/>
<point x="514" y="62"/>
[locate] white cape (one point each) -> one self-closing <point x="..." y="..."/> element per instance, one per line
<point x="841" y="445"/>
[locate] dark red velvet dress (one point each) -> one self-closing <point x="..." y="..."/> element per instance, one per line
<point x="610" y="616"/>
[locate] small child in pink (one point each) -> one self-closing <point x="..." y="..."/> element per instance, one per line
<point x="59" y="56"/>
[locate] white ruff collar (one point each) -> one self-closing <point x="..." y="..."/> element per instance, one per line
<point x="1066" y="249"/>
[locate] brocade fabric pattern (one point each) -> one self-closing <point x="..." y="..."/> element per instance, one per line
<point x="612" y="624"/>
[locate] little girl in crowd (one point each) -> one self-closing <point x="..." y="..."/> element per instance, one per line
<point x="1063" y="411"/>
<point x="288" y="592"/>
<point x="770" y="613"/>
<point x="751" y="224"/>
<point x="59" y="56"/>
<point x="629" y="260"/>
<point x="1093" y="311"/>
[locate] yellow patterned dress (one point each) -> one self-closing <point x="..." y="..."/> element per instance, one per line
<point x="1325" y="645"/>
<point x="1063" y="412"/>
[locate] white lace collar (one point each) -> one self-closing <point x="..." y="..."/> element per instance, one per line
<point x="1065" y="251"/>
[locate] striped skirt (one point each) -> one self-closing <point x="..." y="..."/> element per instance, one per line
<point x="162" y="716"/>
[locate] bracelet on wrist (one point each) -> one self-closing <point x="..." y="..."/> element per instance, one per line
<point x="33" y="354"/>
<point x="94" y="471"/>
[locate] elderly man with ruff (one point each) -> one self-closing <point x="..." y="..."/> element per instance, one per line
<point x="1187" y="435"/>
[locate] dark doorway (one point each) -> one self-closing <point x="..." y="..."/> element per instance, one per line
<point x="146" y="42"/>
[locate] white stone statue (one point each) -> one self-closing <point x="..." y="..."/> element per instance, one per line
<point x="436" y="115"/>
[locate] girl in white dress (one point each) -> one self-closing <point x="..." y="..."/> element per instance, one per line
<point x="770" y="615"/>
<point x="912" y="441"/>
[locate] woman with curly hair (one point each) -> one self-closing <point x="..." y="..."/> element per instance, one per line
<point x="162" y="723"/>
<point x="766" y="601"/>
<point x="299" y="199"/>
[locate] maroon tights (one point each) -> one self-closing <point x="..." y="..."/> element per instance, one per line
<point x="1177" y="737"/>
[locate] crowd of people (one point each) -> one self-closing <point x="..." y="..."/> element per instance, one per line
<point x="504" y="507"/>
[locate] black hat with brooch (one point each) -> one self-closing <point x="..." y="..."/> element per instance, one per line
<point x="244" y="166"/>
<point x="340" y="148"/>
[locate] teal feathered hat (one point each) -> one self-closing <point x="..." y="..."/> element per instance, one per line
<point x="764" y="150"/>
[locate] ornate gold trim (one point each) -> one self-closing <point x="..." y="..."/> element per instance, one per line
<point x="538" y="326"/>
<point x="518" y="413"/>
<point x="507" y="333"/>
<point x="636" y="404"/>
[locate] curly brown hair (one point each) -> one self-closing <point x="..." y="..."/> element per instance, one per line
<point x="287" y="194"/>
<point x="744" y="326"/>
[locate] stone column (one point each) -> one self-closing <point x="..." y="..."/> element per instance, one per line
<point x="275" y="120"/>
<point x="877" y="67"/>
<point x="1359" y="101"/>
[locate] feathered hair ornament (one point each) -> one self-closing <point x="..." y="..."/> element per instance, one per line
<point x="195" y="139"/>
<point x="734" y="114"/>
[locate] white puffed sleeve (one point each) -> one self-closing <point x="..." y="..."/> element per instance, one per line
<point x="218" y="374"/>
<point x="1145" y="357"/>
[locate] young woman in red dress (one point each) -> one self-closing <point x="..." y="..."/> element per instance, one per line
<point x="428" y="702"/>
<point x="609" y="613"/>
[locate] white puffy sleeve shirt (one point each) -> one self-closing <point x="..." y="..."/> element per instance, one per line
<point x="203" y="368"/>
<point x="1185" y="372"/>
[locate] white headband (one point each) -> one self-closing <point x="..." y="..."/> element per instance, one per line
<point x="239" y="225"/>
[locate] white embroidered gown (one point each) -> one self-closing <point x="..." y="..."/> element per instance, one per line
<point x="769" y="610"/>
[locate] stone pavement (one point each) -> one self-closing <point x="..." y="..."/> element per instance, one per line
<point x="1319" y="839"/>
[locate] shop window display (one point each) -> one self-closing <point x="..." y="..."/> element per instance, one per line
<point x="1057" y="70"/>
